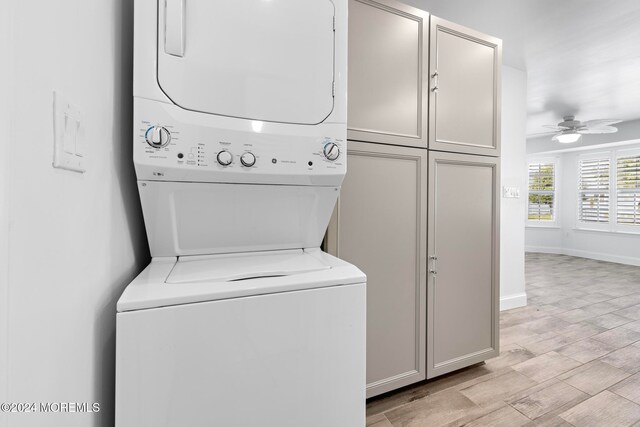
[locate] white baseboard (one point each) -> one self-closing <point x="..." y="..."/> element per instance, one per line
<point x="620" y="259"/>
<point x="544" y="249"/>
<point x="513" y="301"/>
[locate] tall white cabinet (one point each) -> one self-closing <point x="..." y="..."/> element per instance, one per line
<point x="418" y="210"/>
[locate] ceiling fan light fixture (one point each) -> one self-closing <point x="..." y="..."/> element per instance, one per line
<point x="567" y="138"/>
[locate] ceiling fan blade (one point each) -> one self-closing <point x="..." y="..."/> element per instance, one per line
<point x="531" y="135"/>
<point x="600" y="122"/>
<point x="556" y="127"/>
<point x="598" y="130"/>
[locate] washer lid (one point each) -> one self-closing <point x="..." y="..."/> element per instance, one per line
<point x="152" y="290"/>
<point x="236" y="267"/>
<point x="268" y="60"/>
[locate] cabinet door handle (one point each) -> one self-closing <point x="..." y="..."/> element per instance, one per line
<point x="433" y="270"/>
<point x="434" y="76"/>
<point x="174" y="27"/>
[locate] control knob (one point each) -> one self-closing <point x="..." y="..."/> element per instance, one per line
<point x="224" y="158"/>
<point x="331" y="151"/>
<point x="157" y="136"/>
<point x="248" y="159"/>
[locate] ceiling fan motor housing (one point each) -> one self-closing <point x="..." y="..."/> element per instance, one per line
<point x="569" y="122"/>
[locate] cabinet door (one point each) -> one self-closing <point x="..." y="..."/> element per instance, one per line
<point x="464" y="98"/>
<point x="463" y="279"/>
<point x="379" y="226"/>
<point x="388" y="56"/>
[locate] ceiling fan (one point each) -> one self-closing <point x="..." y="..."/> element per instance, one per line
<point x="570" y="130"/>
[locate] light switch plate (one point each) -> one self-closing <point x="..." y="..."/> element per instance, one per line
<point x="511" y="192"/>
<point x="67" y="135"/>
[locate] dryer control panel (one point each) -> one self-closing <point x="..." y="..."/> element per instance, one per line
<point x="173" y="144"/>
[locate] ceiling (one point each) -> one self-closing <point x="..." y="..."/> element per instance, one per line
<point x="582" y="57"/>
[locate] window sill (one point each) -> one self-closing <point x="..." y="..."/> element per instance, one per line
<point x="548" y="226"/>
<point x="595" y="230"/>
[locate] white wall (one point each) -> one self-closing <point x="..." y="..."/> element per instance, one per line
<point x="567" y="238"/>
<point x="75" y="240"/>
<point x="5" y="123"/>
<point x="513" y="164"/>
<point x="543" y="239"/>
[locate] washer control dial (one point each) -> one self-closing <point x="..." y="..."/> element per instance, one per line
<point x="157" y="136"/>
<point x="224" y="158"/>
<point x="248" y="159"/>
<point x="331" y="151"/>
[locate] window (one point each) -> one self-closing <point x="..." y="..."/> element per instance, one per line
<point x="593" y="202"/>
<point x="609" y="191"/>
<point x="628" y="190"/>
<point x="542" y="187"/>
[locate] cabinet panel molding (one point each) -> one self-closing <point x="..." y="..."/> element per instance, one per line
<point x="465" y="89"/>
<point x="388" y="64"/>
<point x="379" y="224"/>
<point x="463" y="248"/>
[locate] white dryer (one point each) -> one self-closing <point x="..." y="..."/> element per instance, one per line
<point x="240" y="151"/>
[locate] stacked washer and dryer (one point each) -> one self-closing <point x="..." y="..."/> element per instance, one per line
<point x="240" y="152"/>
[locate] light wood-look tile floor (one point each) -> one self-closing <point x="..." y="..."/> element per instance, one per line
<point x="571" y="357"/>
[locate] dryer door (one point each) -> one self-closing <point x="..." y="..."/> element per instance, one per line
<point x="269" y="60"/>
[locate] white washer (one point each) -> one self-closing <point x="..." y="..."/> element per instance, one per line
<point x="240" y="151"/>
<point x="200" y="345"/>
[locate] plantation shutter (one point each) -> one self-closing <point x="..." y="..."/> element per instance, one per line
<point x="628" y="190"/>
<point x="593" y="203"/>
<point x="541" y="192"/>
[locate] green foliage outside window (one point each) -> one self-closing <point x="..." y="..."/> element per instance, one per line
<point x="541" y="191"/>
